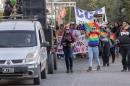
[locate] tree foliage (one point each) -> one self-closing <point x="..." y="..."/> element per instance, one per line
<point x="126" y="6"/>
<point x="113" y="8"/>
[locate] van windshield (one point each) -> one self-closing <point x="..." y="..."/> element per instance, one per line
<point x="18" y="38"/>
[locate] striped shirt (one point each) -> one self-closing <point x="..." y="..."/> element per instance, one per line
<point x="93" y="39"/>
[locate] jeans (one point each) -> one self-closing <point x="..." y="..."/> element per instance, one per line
<point x="93" y="52"/>
<point x="112" y="51"/>
<point x="68" y="57"/>
<point x="106" y="53"/>
<point x="105" y="56"/>
<point x="125" y="52"/>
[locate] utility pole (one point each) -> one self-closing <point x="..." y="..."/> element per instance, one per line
<point x="69" y="12"/>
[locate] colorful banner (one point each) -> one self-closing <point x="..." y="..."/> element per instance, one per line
<point x="80" y="46"/>
<point x="83" y="16"/>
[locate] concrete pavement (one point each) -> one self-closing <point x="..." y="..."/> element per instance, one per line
<point x="108" y="76"/>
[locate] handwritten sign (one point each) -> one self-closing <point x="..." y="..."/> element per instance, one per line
<point x="80" y="46"/>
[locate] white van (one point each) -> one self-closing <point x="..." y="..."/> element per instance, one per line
<point x="23" y="51"/>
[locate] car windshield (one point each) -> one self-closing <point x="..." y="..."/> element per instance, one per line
<point x="17" y="38"/>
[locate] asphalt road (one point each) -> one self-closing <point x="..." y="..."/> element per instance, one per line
<point x="108" y="76"/>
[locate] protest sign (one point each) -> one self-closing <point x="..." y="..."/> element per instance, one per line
<point x="80" y="46"/>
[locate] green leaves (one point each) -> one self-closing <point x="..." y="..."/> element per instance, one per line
<point x="112" y="7"/>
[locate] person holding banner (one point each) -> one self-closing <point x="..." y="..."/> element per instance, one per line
<point x="93" y="47"/>
<point x="66" y="42"/>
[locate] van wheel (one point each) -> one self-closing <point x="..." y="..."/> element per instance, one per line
<point x="50" y="64"/>
<point x="37" y="80"/>
<point x="43" y="74"/>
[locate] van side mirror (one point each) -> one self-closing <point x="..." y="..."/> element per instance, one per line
<point x="45" y="44"/>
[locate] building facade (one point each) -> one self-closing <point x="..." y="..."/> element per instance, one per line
<point x="1" y="4"/>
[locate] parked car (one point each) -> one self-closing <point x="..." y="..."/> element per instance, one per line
<point x="23" y="51"/>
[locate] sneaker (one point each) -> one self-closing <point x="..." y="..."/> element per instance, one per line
<point x="67" y="71"/>
<point x="98" y="68"/>
<point x="128" y="69"/>
<point x="71" y="70"/>
<point x="123" y="70"/>
<point x="108" y="65"/>
<point x="104" y="65"/>
<point x="89" y="69"/>
<point x="113" y="62"/>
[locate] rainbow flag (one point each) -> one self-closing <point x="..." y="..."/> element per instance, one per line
<point x="88" y="26"/>
<point x="97" y="26"/>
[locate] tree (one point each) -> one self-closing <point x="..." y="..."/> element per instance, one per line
<point x="126" y="7"/>
<point x="116" y="10"/>
<point x="112" y="7"/>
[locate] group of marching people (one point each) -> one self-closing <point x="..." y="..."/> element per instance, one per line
<point x="116" y="38"/>
<point x="11" y="8"/>
<point x="102" y="43"/>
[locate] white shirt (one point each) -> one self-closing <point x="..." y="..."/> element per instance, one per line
<point x="124" y="33"/>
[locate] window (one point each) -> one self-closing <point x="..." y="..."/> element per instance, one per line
<point x="18" y="38"/>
